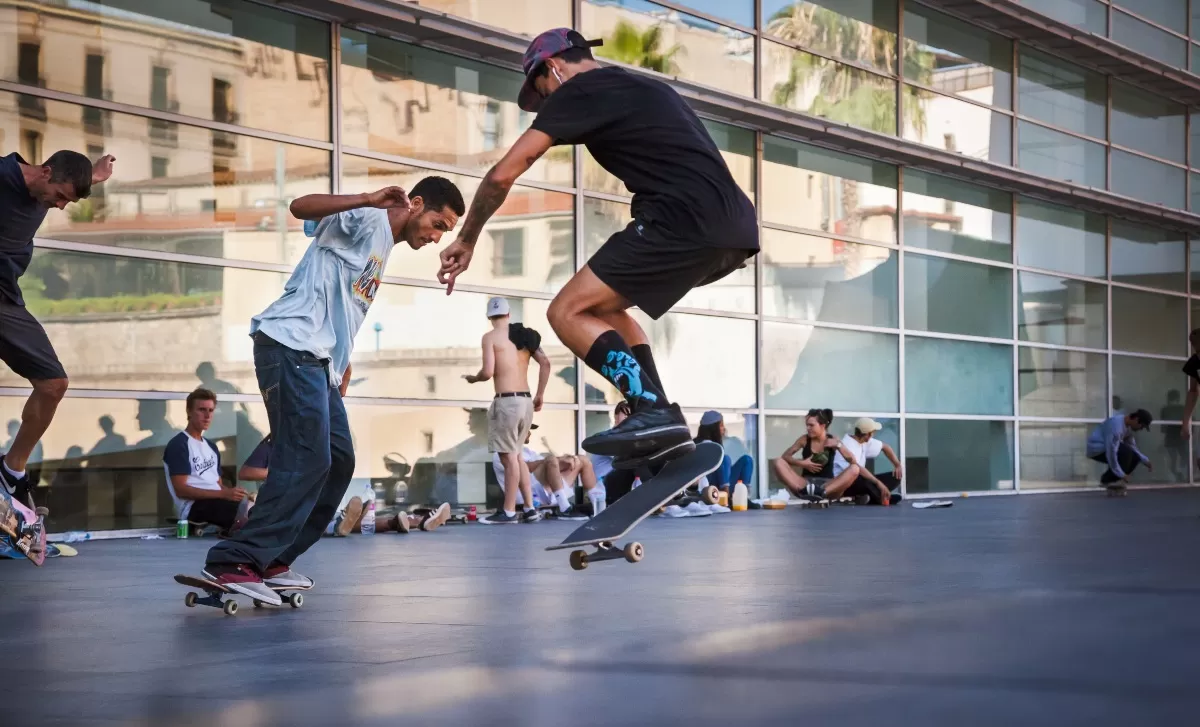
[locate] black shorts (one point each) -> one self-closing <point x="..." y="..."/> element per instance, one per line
<point x="655" y="271"/>
<point x="24" y="346"/>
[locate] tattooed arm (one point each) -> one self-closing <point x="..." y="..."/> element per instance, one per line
<point x="488" y="199"/>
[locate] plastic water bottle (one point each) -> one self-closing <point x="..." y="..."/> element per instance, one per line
<point x="597" y="499"/>
<point x="310" y="228"/>
<point x="368" y="520"/>
<point x="741" y="498"/>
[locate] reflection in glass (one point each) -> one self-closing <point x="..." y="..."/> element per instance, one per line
<point x="527" y="17"/>
<point x="1149" y="322"/>
<point x="1148" y="256"/>
<point x="1089" y="15"/>
<point x="1062" y="94"/>
<point x="1062" y="311"/>
<point x="806" y="367"/>
<point x="646" y="35"/>
<point x="734" y="292"/>
<point x="862" y="32"/>
<point x="1052" y="456"/>
<point x="1059" y="238"/>
<point x="735" y="143"/>
<point x="703" y="361"/>
<point x="402" y="99"/>
<point x="1150" y="181"/>
<point x="949" y="215"/>
<point x="1171" y="14"/>
<point x="220" y="60"/>
<point x="1146" y="383"/>
<point x="529" y="244"/>
<point x="947" y="123"/>
<point x="1145" y="38"/>
<point x="783" y="431"/>
<point x="952" y="456"/>
<point x="1060" y="156"/>
<point x="950" y="56"/>
<point x="836" y="91"/>
<point x="1149" y="123"/>
<point x="185" y="190"/>
<point x="951" y="296"/>
<point x="822" y="279"/>
<point x="812" y="188"/>
<point x="957" y="377"/>
<point x="1057" y="383"/>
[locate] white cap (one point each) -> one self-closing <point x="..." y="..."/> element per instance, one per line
<point x="497" y="307"/>
<point x="866" y="425"/>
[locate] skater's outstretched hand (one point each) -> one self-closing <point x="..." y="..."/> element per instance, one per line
<point x="388" y="197"/>
<point x="102" y="169"/>
<point x="455" y="260"/>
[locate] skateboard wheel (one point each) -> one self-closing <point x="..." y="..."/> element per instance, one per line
<point x="634" y="552"/>
<point x="710" y="495"/>
<point x="230" y="608"/>
<point x="579" y="559"/>
<point x="190" y="600"/>
<point x="258" y="603"/>
<point x="296" y="600"/>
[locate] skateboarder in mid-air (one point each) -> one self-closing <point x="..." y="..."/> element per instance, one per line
<point x="692" y="225"/>
<point x="302" y="346"/>
<point x="27" y="193"/>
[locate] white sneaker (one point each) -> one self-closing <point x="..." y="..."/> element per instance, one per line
<point x="697" y="509"/>
<point x="716" y="509"/>
<point x="288" y="579"/>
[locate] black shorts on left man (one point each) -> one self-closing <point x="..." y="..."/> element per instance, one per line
<point x="654" y="271"/>
<point x="24" y="346"/>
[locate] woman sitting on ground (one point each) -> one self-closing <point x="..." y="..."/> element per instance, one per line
<point x="817" y="449"/>
<point x="712" y="429"/>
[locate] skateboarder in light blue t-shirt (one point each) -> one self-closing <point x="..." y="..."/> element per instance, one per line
<point x="302" y="346"/>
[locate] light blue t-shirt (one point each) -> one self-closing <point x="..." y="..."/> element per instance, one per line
<point x="326" y="300"/>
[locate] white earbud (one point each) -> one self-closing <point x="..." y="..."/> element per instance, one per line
<point x="555" y="72"/>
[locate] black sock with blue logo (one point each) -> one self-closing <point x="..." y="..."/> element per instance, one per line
<point x="610" y="356"/>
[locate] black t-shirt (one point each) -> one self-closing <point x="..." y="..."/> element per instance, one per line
<point x="1192" y="367"/>
<point x="20" y="217"/>
<point x="642" y="132"/>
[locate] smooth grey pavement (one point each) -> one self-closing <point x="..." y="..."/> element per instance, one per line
<point x="1040" y="610"/>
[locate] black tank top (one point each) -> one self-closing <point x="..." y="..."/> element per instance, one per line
<point x="828" y="452"/>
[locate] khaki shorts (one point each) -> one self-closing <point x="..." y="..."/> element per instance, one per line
<point x="509" y="418"/>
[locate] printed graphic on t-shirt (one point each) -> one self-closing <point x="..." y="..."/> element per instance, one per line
<point x="202" y="463"/>
<point x="368" y="283"/>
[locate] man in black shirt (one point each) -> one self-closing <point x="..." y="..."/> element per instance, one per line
<point x="27" y="193"/>
<point x="691" y="225"/>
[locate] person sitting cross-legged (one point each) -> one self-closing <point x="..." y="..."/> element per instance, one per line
<point x="712" y="429"/>
<point x="551" y="479"/>
<point x="817" y="449"/>
<point x="193" y="467"/>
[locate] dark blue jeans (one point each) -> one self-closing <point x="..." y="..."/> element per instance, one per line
<point x="731" y="473"/>
<point x="312" y="460"/>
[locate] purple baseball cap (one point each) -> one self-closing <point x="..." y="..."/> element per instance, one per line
<point x="547" y="45"/>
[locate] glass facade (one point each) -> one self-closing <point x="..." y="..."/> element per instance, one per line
<point x="988" y="331"/>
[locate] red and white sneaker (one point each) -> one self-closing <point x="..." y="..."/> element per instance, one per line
<point x="241" y="579"/>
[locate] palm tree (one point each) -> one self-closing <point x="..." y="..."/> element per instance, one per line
<point x="643" y="49"/>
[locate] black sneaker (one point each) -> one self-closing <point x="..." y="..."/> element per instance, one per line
<point x="499" y="518"/>
<point x="18" y="488"/>
<point x="644" y="432"/>
<point x="655" y="460"/>
<point x="813" y="492"/>
<point x="571" y="513"/>
<point x="531" y="516"/>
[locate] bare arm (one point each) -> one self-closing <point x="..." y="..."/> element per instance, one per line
<point x="184" y="491"/>
<point x="249" y="474"/>
<point x="897" y="466"/>
<point x="318" y="206"/>
<point x="345" y="383"/>
<point x="543" y="362"/>
<point x="846" y="453"/>
<point x="102" y="169"/>
<point x="796" y="447"/>
<point x="488" y="369"/>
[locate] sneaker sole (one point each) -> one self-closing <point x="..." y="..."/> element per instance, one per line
<point x="485" y="521"/>
<point x="640" y="441"/>
<point x="350" y="519"/>
<point x="440" y="516"/>
<point x="246" y="591"/>
<point x="682" y="449"/>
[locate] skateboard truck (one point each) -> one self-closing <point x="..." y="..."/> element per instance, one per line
<point x="632" y="552"/>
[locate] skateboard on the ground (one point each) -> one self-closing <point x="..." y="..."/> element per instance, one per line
<point x="26" y="527"/>
<point x="1116" y="490"/>
<point x="615" y="522"/>
<point x="216" y="595"/>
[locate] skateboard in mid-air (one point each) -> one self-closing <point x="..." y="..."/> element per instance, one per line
<point x="26" y="527"/>
<point x="215" y="595"/>
<point x="615" y="522"/>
